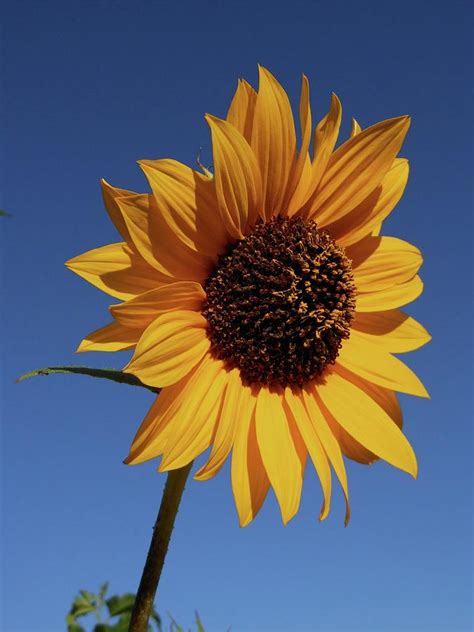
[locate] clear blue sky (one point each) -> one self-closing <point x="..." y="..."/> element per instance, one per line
<point x="89" y="88"/>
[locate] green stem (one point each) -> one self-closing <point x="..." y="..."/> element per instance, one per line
<point x="155" y="560"/>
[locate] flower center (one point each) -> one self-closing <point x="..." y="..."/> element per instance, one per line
<point x="279" y="302"/>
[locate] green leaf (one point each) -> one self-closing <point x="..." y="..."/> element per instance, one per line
<point x="108" y="374"/>
<point x="103" y="589"/>
<point x="79" y="608"/>
<point x="122" y="624"/>
<point x="70" y="619"/>
<point x="4" y="213"/>
<point x="89" y="597"/>
<point x="200" y="627"/>
<point x="175" y="627"/>
<point x="156" y="618"/>
<point x="120" y="604"/>
<point x="102" y="627"/>
<point x="75" y="627"/>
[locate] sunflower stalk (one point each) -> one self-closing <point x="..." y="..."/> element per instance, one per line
<point x="160" y="539"/>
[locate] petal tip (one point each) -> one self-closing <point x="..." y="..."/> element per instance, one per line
<point x="244" y="522"/>
<point x="202" y="476"/>
<point x="323" y="515"/>
<point x="69" y="264"/>
<point x="128" y="368"/>
<point x="82" y="346"/>
<point x="422" y="391"/>
<point x="210" y="118"/>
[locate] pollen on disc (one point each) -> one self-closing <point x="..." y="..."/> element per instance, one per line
<point x="280" y="302"/>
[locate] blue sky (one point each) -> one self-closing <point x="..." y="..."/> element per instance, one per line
<point x="89" y="88"/>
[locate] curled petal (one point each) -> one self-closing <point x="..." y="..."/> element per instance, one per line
<point x="273" y="141"/>
<point x="158" y="244"/>
<point x="186" y="202"/>
<point x="372" y="211"/>
<point x="112" y="337"/>
<point x="392" y="330"/>
<point x="325" y="138"/>
<point x="356" y="168"/>
<point x="169" y="348"/>
<point x="389" y="298"/>
<point x="238" y="184"/>
<point x="250" y="482"/>
<point x="393" y="262"/>
<point x="301" y="176"/>
<point x="297" y="411"/>
<point x="366" y="421"/>
<point x="374" y="364"/>
<point x="278" y="451"/>
<point x="142" y="310"/>
<point x="235" y="404"/>
<point x="196" y="419"/>
<point x="117" y="270"/>
<point x="328" y="440"/>
<point x="242" y="109"/>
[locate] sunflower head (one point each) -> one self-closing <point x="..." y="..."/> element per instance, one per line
<point x="263" y="301"/>
<point x="279" y="303"/>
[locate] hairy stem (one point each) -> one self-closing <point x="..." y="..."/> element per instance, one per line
<point x="155" y="560"/>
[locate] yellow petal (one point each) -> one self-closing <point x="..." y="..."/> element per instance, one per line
<point x="351" y="448"/>
<point x="384" y="397"/>
<point x="169" y="348"/>
<point x="112" y="337"/>
<point x="355" y="128"/>
<point x="142" y="310"/>
<point x="196" y="419"/>
<point x="372" y="211"/>
<point x="153" y="434"/>
<point x="250" y="482"/>
<point x="366" y="421"/>
<point x="110" y="195"/>
<point x="278" y="452"/>
<point x="301" y="175"/>
<point x="273" y="141"/>
<point x="391" y="330"/>
<point x="237" y="177"/>
<point x="363" y="249"/>
<point x="376" y="230"/>
<point x="151" y="437"/>
<point x="295" y="407"/>
<point x="325" y="138"/>
<point x="356" y="168"/>
<point x="328" y="441"/>
<point x="393" y="262"/>
<point x="186" y="201"/>
<point x="116" y="270"/>
<point x="390" y="298"/>
<point x="372" y="362"/>
<point x="242" y="109"/>
<point x="158" y="244"/>
<point x="233" y="408"/>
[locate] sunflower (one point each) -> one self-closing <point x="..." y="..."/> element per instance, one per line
<point x="263" y="302"/>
